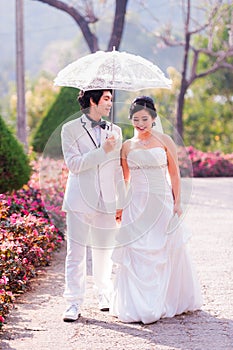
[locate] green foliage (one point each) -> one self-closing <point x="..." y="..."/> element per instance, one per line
<point x="40" y="95"/>
<point x="15" y="169"/>
<point x="208" y="120"/>
<point x="47" y="136"/>
<point x="208" y="111"/>
<point x="127" y="132"/>
<point x="220" y="82"/>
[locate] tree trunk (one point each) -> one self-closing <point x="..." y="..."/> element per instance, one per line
<point x="184" y="84"/>
<point x="183" y="89"/>
<point x="118" y="25"/>
<point x="179" y="115"/>
<point x="21" y="109"/>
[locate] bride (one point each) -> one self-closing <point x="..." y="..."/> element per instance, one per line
<point x="154" y="275"/>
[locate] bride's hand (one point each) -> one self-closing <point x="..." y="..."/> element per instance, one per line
<point x="119" y="215"/>
<point x="177" y="209"/>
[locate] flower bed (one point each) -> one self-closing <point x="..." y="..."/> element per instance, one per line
<point x="28" y="235"/>
<point x="205" y="164"/>
<point x="49" y="178"/>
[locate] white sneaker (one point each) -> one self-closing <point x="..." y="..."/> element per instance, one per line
<point x="103" y="302"/>
<point x="71" y="314"/>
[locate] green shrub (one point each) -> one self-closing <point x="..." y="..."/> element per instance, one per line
<point x="49" y="128"/>
<point x="15" y="169"/>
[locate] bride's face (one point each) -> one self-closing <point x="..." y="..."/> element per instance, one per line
<point x="142" y="121"/>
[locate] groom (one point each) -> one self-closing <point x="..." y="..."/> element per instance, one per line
<point x="92" y="156"/>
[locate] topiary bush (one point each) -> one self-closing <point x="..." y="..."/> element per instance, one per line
<point x="15" y="167"/>
<point x="49" y="128"/>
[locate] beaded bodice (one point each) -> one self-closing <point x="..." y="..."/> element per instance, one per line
<point x="148" y="169"/>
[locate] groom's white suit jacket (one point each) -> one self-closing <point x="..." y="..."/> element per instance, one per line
<point x="92" y="172"/>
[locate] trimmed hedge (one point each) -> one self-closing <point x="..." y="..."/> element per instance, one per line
<point x="15" y="168"/>
<point x="49" y="128"/>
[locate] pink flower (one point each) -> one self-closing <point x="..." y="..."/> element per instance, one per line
<point x="4" y="280"/>
<point x="2" y="319"/>
<point x="35" y="232"/>
<point x="59" y="239"/>
<point x="19" y="250"/>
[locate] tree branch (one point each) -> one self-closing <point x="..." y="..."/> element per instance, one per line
<point x="220" y="63"/>
<point x="90" y="37"/>
<point x="168" y="40"/>
<point x="218" y="54"/>
<point x="211" y="70"/>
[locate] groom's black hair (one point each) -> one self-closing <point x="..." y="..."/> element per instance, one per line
<point x="85" y="96"/>
<point x="143" y="102"/>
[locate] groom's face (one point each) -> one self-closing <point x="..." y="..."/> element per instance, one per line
<point x="104" y="106"/>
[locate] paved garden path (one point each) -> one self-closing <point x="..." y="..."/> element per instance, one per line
<point x="36" y="322"/>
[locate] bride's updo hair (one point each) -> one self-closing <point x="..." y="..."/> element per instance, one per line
<point x="143" y="102"/>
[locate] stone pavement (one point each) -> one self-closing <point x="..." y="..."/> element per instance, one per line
<point x="36" y="321"/>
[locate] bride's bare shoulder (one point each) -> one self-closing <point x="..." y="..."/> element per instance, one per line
<point x="127" y="143"/>
<point x="126" y="146"/>
<point x="164" y="139"/>
<point x="162" y="136"/>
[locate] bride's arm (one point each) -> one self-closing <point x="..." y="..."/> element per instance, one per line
<point x="126" y="175"/>
<point x="124" y="163"/>
<point x="174" y="172"/>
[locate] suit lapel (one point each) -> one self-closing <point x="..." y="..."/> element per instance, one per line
<point x="89" y="130"/>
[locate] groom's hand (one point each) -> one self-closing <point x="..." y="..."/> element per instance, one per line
<point x="109" y="144"/>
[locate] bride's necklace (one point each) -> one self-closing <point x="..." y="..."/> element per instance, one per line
<point x="145" y="142"/>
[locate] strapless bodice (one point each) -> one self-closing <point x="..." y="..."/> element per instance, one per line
<point x="147" y="158"/>
<point x="148" y="169"/>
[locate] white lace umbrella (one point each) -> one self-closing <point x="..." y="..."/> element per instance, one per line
<point x="112" y="70"/>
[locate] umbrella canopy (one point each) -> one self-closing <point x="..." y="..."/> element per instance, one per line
<point x="112" y="70"/>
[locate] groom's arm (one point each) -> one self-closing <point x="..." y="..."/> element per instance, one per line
<point x="75" y="161"/>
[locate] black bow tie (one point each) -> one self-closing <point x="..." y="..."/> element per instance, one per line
<point x="101" y="123"/>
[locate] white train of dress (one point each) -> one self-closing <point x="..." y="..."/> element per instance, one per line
<point x="154" y="277"/>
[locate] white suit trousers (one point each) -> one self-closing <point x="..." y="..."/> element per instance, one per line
<point x="98" y="231"/>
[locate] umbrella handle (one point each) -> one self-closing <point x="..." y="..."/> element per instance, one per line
<point x="112" y="110"/>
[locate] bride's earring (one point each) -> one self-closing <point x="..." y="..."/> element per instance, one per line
<point x="153" y="124"/>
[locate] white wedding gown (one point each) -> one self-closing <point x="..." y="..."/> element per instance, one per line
<point x="154" y="273"/>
